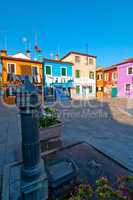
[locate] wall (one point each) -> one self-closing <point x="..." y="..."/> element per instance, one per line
<point x="99" y="83"/>
<point x="108" y="84"/>
<point x="124" y="78"/>
<point x="18" y="63"/>
<point x="84" y="79"/>
<point x="56" y="72"/>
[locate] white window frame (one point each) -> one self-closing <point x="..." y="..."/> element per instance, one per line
<point x="125" y="87"/>
<point x="127" y="71"/>
<point x="38" y="69"/>
<point x="93" y="74"/>
<point x="51" y="70"/>
<point x="114" y="79"/>
<point x="61" y="71"/>
<point x="92" y="61"/>
<point x="107" y="75"/>
<point x="78" y="57"/>
<point x="91" y="88"/>
<point x="14" y="67"/>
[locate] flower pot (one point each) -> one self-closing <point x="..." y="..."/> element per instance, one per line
<point x="50" y="138"/>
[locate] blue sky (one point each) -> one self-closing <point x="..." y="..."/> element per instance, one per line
<point x="106" y="25"/>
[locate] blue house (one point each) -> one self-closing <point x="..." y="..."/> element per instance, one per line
<point x="57" y="79"/>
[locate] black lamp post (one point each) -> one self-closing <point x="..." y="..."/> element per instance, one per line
<point x="33" y="175"/>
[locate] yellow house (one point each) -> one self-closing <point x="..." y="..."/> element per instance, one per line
<point x="16" y="67"/>
<point x="99" y="82"/>
<point x="84" y="74"/>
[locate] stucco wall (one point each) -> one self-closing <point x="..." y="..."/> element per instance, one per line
<point x="123" y="79"/>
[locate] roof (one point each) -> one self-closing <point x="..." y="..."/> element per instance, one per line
<point x="57" y="61"/>
<point x="19" y="59"/>
<point x="78" y="53"/>
<point x="110" y="68"/>
<point x="129" y="60"/>
<point x="99" y="69"/>
<point x="20" y="55"/>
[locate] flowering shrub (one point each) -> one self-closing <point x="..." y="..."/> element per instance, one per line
<point x="84" y="191"/>
<point x="104" y="190"/>
<point x="48" y="117"/>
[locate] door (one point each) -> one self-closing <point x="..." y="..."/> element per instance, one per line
<point x="114" y="92"/>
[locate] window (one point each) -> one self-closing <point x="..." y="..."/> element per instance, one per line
<point x="114" y="76"/>
<point x="90" y="89"/>
<point x="106" y="76"/>
<point x="99" y="89"/>
<point x="101" y="76"/>
<point x="91" y="75"/>
<point x="77" y="59"/>
<point x="130" y="70"/>
<point x="63" y="71"/>
<point x="127" y="87"/>
<point x="35" y="71"/>
<point x="77" y="89"/>
<point x="91" y="61"/>
<point x="35" y="75"/>
<point x="48" y="70"/>
<point x="11" y="68"/>
<point x="77" y="73"/>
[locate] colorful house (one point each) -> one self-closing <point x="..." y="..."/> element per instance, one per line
<point x="15" y="68"/>
<point x="84" y="74"/>
<point x="125" y="78"/>
<point x="99" y="82"/>
<point x="58" y="79"/>
<point x="110" y="81"/>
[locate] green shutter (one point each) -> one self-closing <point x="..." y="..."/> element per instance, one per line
<point x="77" y="89"/>
<point x="77" y="73"/>
<point x="91" y="75"/>
<point x="48" y="70"/>
<point x="63" y="72"/>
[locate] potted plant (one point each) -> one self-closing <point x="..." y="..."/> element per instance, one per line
<point x="49" y="130"/>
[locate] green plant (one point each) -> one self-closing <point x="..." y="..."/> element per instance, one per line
<point x="104" y="190"/>
<point x="48" y="117"/>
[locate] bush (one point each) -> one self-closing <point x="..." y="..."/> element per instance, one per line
<point x="48" y="117"/>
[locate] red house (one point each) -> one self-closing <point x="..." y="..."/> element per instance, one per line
<point x="110" y="81"/>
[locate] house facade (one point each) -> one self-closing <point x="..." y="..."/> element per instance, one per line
<point x="84" y="74"/>
<point x="125" y="79"/>
<point x="58" y="79"/>
<point x="99" y="82"/>
<point x="110" y="81"/>
<point x="15" y="68"/>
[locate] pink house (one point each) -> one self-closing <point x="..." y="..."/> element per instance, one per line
<point x="125" y="78"/>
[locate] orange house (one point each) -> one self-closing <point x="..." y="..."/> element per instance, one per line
<point x="99" y="82"/>
<point x="16" y="67"/>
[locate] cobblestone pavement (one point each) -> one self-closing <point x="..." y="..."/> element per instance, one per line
<point x="103" y="125"/>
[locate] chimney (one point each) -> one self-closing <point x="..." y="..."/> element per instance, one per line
<point x="28" y="53"/>
<point x="3" y="52"/>
<point x="57" y="57"/>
